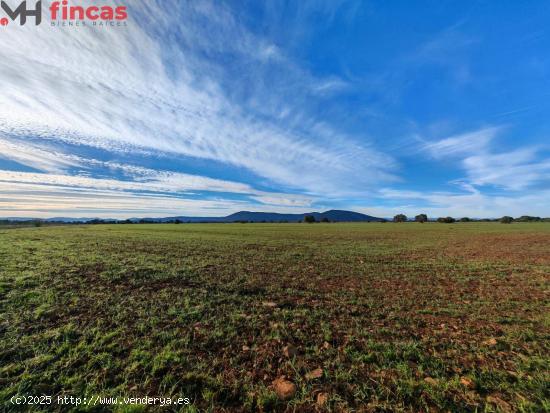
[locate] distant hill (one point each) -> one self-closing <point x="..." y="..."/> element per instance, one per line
<point x="248" y="216"/>
<point x="241" y="216"/>
<point x="332" y="215"/>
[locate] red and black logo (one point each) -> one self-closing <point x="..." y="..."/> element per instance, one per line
<point x="61" y="10"/>
<point x="22" y="12"/>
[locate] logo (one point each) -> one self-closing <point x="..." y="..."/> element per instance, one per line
<point x="63" y="14"/>
<point x="22" y="12"/>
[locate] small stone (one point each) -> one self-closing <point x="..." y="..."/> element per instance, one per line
<point x="315" y="374"/>
<point x="246" y="348"/>
<point x="284" y="388"/>
<point x="290" y="351"/>
<point x="502" y="405"/>
<point x="269" y="304"/>
<point x="326" y="345"/>
<point x="322" y="399"/>
<point x="490" y="342"/>
<point x="430" y="380"/>
<point x="466" y="382"/>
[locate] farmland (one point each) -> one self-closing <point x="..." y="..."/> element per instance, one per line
<point x="279" y="317"/>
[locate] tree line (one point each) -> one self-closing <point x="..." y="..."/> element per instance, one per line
<point x="421" y="218"/>
<point x="449" y="220"/>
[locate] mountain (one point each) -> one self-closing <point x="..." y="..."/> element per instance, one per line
<point x="332" y="215"/>
<point x="248" y="216"/>
<point x="64" y="219"/>
<point x="241" y="216"/>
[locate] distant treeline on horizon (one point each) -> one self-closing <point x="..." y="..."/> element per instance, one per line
<point x="400" y="218"/>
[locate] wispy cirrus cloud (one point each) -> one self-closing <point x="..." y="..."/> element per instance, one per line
<point x="468" y="201"/>
<point x="464" y="144"/>
<point x="41" y="194"/>
<point x="36" y="157"/>
<point x="65" y="175"/>
<point x="448" y="49"/>
<point x="485" y="165"/>
<point x="46" y="201"/>
<point x="155" y="85"/>
<point x="515" y="170"/>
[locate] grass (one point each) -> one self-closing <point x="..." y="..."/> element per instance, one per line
<point x="398" y="317"/>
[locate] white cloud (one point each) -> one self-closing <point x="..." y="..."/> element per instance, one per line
<point x="138" y="181"/>
<point x="470" y="143"/>
<point x="48" y="195"/>
<point x="166" y="182"/>
<point x="514" y="170"/>
<point x="470" y="203"/>
<point x="46" y="201"/>
<point x="289" y="200"/>
<point x="146" y="86"/>
<point x="36" y="157"/>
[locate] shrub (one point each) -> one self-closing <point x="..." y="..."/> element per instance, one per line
<point x="506" y="219"/>
<point x="527" y="218"/>
<point x="325" y="219"/>
<point x="446" y="220"/>
<point x="400" y="218"/>
<point x="309" y="219"/>
<point x="465" y="219"/>
<point x="421" y="218"/>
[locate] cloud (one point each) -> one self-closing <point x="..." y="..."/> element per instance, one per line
<point x="134" y="183"/>
<point x="67" y="175"/>
<point x="513" y="170"/>
<point x="470" y="143"/>
<point x="288" y="200"/>
<point x="36" y="157"/>
<point x="162" y="85"/>
<point x="329" y="86"/>
<point x="24" y="200"/>
<point x="162" y="182"/>
<point x="470" y="203"/>
<point x="38" y="194"/>
<point x="448" y="49"/>
<point x="483" y="165"/>
<point x="57" y="164"/>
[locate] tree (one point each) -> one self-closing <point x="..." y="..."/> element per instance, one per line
<point x="527" y="218"/>
<point x="325" y="219"/>
<point x="465" y="219"/>
<point x="421" y="218"/>
<point x="446" y="220"/>
<point x="506" y="219"/>
<point x="309" y="219"/>
<point x="400" y="218"/>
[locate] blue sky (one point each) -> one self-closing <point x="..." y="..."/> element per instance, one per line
<point x="207" y="108"/>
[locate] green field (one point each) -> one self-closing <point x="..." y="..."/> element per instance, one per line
<point x="356" y="317"/>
